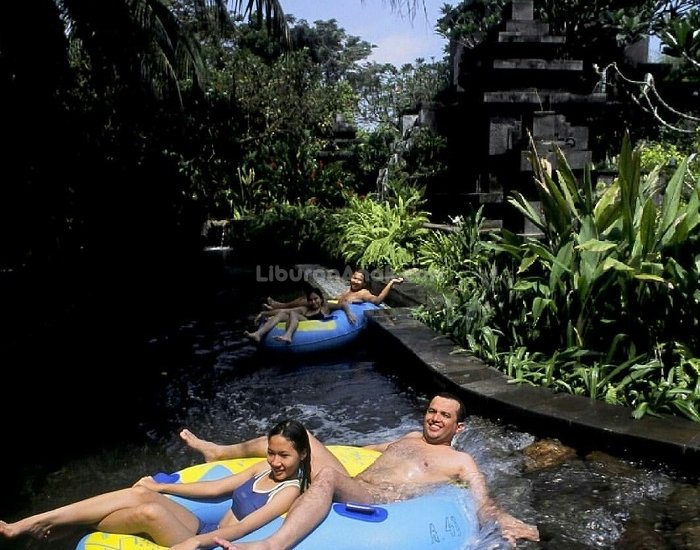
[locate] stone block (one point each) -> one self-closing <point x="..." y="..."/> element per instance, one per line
<point x="519" y="37"/>
<point x="407" y="122"/>
<point x="532" y="28"/>
<point x="522" y="10"/>
<point x="546" y="125"/>
<point x="501" y="136"/>
<point x="579" y="134"/>
<point x="578" y="159"/>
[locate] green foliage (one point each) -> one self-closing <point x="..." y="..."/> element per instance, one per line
<point x="287" y="233"/>
<point x="681" y="40"/>
<point x="469" y="22"/>
<point x="667" y="157"/>
<point x="450" y="254"/>
<point x="604" y="304"/>
<point x="471" y="290"/>
<point x="386" y="92"/>
<point x="288" y="117"/>
<point x="247" y="195"/>
<point x="372" y="151"/>
<point x="329" y="47"/>
<point x="422" y="157"/>
<point x="375" y="234"/>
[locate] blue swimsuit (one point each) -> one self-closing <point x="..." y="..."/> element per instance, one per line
<point x="246" y="499"/>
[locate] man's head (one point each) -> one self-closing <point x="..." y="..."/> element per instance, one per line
<point x="358" y="281"/>
<point x="444" y="418"/>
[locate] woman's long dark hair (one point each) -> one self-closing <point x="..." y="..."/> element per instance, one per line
<point x="296" y="433"/>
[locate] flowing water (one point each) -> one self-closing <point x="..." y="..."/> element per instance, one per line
<point x="213" y="381"/>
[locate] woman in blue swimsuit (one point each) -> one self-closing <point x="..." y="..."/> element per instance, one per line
<point x="260" y="494"/>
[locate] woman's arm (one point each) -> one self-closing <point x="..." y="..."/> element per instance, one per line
<point x="202" y="489"/>
<point x="275" y="507"/>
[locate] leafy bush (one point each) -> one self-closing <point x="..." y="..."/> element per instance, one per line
<point x="375" y="234"/>
<point x="287" y="233"/>
<point x="606" y="304"/>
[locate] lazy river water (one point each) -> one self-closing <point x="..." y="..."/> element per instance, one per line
<point x="214" y="382"/>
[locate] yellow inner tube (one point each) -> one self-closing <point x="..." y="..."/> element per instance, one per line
<point x="355" y="459"/>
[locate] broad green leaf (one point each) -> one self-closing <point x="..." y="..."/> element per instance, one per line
<point x="645" y="243"/>
<point x="612" y="263"/>
<point x="527" y="210"/>
<point x="649" y="277"/>
<point x="607" y="210"/>
<point x="563" y="264"/>
<point x="671" y="202"/>
<point x="595" y="245"/>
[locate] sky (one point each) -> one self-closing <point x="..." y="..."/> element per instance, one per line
<point x="399" y="39"/>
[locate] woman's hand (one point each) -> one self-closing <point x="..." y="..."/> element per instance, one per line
<point x="149" y="483"/>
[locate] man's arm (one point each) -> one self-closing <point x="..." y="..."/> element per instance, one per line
<point x="379" y="298"/>
<point x="512" y="528"/>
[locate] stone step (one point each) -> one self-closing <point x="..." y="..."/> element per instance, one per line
<point x="540" y="97"/>
<point x="539" y="64"/>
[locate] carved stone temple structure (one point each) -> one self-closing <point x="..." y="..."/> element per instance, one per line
<point x="514" y="83"/>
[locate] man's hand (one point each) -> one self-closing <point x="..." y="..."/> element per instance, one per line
<point x="513" y="529"/>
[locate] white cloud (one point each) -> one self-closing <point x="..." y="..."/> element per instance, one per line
<point x="399" y="49"/>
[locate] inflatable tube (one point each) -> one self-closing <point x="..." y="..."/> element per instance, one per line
<point x="313" y="336"/>
<point x="443" y="520"/>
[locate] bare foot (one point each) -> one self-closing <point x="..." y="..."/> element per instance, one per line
<point x="228" y="545"/>
<point x="8" y="530"/>
<point x="209" y="450"/>
<point x="270" y="303"/>
<point x="253" y="336"/>
<point x="33" y="526"/>
<point x="284" y="338"/>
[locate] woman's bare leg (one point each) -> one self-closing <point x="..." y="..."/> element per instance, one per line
<point x="292" y="325"/>
<point x="165" y="521"/>
<point x="89" y="512"/>
<point x="258" y="335"/>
